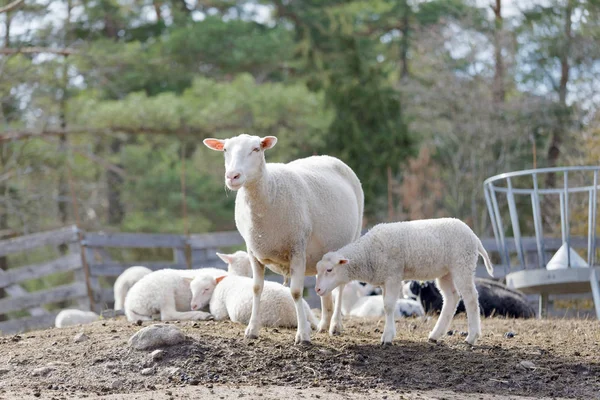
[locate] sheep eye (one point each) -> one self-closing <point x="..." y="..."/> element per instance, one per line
<point x="329" y="269"/>
<point x="256" y="149"/>
<point x="224" y="150"/>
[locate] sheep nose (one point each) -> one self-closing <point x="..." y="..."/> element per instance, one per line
<point x="233" y="176"/>
<point x="318" y="290"/>
<point x="194" y="306"/>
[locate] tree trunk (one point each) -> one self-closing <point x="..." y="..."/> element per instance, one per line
<point x="405" y="43"/>
<point x="498" y="85"/>
<point x="558" y="132"/>
<point x="116" y="210"/>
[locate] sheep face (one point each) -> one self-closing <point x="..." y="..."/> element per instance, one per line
<point x="244" y="157"/>
<point x="330" y="273"/>
<point x="238" y="263"/>
<point x="202" y="288"/>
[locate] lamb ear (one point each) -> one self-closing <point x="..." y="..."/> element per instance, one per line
<point x="268" y="142"/>
<point x="343" y="261"/>
<point x="214" y="144"/>
<point x="219" y="279"/>
<point x="225" y="257"/>
<point x="188" y="280"/>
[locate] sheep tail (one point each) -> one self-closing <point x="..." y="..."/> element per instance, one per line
<point x="486" y="258"/>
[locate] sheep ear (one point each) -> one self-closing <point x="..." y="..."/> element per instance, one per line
<point x="268" y="142"/>
<point x="214" y="144"/>
<point x="188" y="280"/>
<point x="219" y="279"/>
<point x="225" y="257"/>
<point x="343" y="261"/>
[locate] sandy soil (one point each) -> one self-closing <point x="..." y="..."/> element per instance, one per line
<point x="550" y="358"/>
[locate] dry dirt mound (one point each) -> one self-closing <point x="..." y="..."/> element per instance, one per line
<point x="552" y="358"/>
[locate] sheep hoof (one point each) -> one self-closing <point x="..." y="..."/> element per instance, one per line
<point x="386" y="343"/>
<point x="251" y="336"/>
<point x="304" y="343"/>
<point x="432" y="340"/>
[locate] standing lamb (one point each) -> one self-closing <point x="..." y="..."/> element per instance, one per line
<point x="444" y="248"/>
<point x="289" y="216"/>
<point x="125" y="281"/>
<point x="230" y="297"/>
<point x="166" y="292"/>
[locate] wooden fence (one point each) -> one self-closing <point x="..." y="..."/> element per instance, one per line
<point x="91" y="262"/>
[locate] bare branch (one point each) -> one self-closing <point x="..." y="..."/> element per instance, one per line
<point x="37" y="50"/>
<point x="21" y="135"/>
<point x="11" y="6"/>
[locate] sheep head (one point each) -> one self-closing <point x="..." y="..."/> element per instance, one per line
<point x="244" y="157"/>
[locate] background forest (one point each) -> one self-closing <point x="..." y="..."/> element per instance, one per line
<point x="107" y="102"/>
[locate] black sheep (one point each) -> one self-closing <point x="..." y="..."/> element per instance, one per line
<point x="494" y="298"/>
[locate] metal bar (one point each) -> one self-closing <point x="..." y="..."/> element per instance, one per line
<point x="514" y="218"/>
<point x="595" y="291"/>
<point x="562" y="218"/>
<point x="543" y="306"/>
<point x="490" y="208"/>
<point x="540" y="171"/>
<point x="567" y="222"/>
<point x="537" y="221"/>
<point x="503" y="252"/>
<point x="595" y="214"/>
<point x="591" y="227"/>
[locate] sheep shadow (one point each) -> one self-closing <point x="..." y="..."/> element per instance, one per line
<point x="460" y="367"/>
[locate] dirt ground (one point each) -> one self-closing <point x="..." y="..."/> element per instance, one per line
<point x="550" y="358"/>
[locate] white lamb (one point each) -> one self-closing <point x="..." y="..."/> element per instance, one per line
<point x="125" y="281"/>
<point x="289" y="216"/>
<point x="357" y="302"/>
<point x="238" y="263"/>
<point x="230" y="297"/>
<point x="166" y="292"/>
<point x="445" y="249"/>
<point x="69" y="317"/>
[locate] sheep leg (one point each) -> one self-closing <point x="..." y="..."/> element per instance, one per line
<point x="326" y="312"/>
<point x="450" y="296"/>
<point x="298" y="270"/>
<point x="336" y="321"/>
<point x="468" y="292"/>
<point x="258" y="275"/>
<point x="391" y="292"/>
<point x="168" y="312"/>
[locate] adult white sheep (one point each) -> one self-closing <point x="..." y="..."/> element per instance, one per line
<point x="289" y="216"/>
<point x="125" y="281"/>
<point x="166" y="292"/>
<point x="230" y="297"/>
<point x="70" y="316"/>
<point x="445" y="249"/>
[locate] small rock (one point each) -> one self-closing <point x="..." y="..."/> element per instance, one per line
<point x="194" y="382"/>
<point x="509" y="335"/>
<point x="138" y="322"/>
<point x="37" y="394"/>
<point x="527" y="365"/>
<point x="450" y="333"/>
<point x="118" y="384"/>
<point x="80" y="337"/>
<point x="147" y="371"/>
<point x="464" y="333"/>
<point x="42" y="371"/>
<point x="157" y="335"/>
<point x="157" y="354"/>
<point x="172" y="371"/>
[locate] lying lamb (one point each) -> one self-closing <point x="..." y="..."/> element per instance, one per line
<point x="167" y="292"/>
<point x="230" y="297"/>
<point x="125" y="281"/>
<point x="495" y="299"/>
<point x="444" y="248"/>
<point x="357" y="301"/>
<point x="69" y="317"/>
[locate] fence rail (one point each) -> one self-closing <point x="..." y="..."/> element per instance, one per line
<point x="201" y="249"/>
